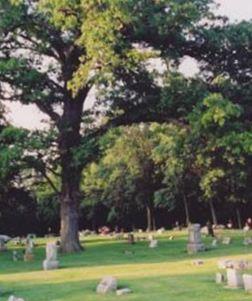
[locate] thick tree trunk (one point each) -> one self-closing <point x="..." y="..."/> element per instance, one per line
<point x="69" y="226"/>
<point x="187" y="213"/>
<point x="70" y="176"/>
<point x="213" y="213"/>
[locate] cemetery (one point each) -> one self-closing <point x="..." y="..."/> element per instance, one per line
<point x="105" y="272"/>
<point x="125" y="150"/>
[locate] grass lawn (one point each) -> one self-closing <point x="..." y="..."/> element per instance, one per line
<point x="161" y="274"/>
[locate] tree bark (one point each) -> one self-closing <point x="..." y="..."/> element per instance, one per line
<point x="213" y="213"/>
<point x="150" y="217"/>
<point x="238" y="214"/>
<point x="187" y="213"/>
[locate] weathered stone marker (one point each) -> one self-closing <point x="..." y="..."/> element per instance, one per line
<point x="234" y="279"/>
<point x="195" y="244"/>
<point x="51" y="262"/>
<point x="108" y="284"/>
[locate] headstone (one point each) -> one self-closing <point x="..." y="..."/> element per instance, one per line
<point x="29" y="256"/>
<point x="195" y="244"/>
<point x="226" y="241"/>
<point x="123" y="291"/>
<point x="214" y="243"/>
<point x="15" y="256"/>
<point x="153" y="244"/>
<point x="108" y="284"/>
<point x="219" y="278"/>
<point x="51" y="262"/>
<point x="13" y="298"/>
<point x="2" y="245"/>
<point x="247" y="280"/>
<point x="234" y="279"/>
<point x="131" y="239"/>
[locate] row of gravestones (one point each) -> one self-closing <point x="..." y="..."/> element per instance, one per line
<point x="51" y="261"/>
<point x="235" y="276"/>
<point x="195" y="243"/>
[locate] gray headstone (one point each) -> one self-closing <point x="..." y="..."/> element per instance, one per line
<point x="195" y="244"/>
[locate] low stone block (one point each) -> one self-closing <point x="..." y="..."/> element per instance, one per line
<point x="123" y="291"/>
<point x="50" y="265"/>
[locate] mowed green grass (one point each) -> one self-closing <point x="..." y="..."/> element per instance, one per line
<point x="161" y="274"/>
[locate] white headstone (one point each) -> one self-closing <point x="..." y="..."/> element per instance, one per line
<point x="247" y="280"/>
<point x="234" y="279"/>
<point x="108" y="284"/>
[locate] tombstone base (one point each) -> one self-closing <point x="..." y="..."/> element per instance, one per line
<point x="195" y="248"/>
<point x="50" y="264"/>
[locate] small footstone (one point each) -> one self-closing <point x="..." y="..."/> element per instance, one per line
<point x="108" y="284"/>
<point x="123" y="291"/>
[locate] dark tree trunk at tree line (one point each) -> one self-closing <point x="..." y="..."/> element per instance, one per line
<point x="70" y="175"/>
